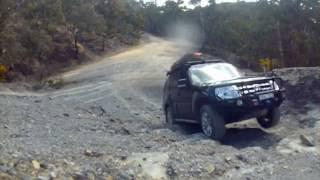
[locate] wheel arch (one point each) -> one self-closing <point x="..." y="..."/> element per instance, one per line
<point x="198" y="100"/>
<point x="167" y="103"/>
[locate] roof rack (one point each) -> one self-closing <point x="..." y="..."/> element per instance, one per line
<point x="194" y="59"/>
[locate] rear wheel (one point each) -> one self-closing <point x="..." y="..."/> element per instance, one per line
<point x="212" y="124"/>
<point x="271" y="119"/>
<point x="170" y="121"/>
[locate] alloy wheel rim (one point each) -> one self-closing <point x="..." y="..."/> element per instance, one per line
<point x="206" y="125"/>
<point x="266" y="120"/>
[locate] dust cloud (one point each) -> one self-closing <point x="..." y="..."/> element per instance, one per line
<point x="186" y="34"/>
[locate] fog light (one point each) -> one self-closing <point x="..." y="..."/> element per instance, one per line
<point x="239" y="102"/>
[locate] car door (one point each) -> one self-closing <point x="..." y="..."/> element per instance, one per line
<point x="184" y="96"/>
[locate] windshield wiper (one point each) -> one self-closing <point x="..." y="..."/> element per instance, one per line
<point x="209" y="83"/>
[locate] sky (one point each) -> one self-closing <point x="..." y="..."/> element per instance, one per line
<point x="203" y="3"/>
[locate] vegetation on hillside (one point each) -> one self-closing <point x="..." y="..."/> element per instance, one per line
<point x="38" y="37"/>
<point x="286" y="30"/>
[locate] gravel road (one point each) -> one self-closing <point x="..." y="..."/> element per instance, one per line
<point x="106" y="123"/>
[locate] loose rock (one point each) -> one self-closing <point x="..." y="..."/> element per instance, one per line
<point x="36" y="164"/>
<point x="307" y="140"/>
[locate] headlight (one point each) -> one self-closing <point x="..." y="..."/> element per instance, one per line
<point x="228" y="92"/>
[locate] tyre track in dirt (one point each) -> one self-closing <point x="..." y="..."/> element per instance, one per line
<point x="128" y="77"/>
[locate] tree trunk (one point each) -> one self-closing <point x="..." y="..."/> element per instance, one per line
<point x="103" y="43"/>
<point x="280" y="44"/>
<point x="76" y="43"/>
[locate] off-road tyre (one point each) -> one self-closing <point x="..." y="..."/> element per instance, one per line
<point x="271" y="119"/>
<point x="170" y="120"/>
<point x="212" y="124"/>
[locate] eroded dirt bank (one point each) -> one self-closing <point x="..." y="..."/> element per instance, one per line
<point x="106" y="123"/>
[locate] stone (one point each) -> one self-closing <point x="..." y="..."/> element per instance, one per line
<point x="91" y="153"/>
<point x="228" y="159"/>
<point x="4" y="176"/>
<point x="43" y="178"/>
<point x="36" y="164"/>
<point x="307" y="140"/>
<point x="53" y="175"/>
<point x="66" y="115"/>
<point x="210" y="168"/>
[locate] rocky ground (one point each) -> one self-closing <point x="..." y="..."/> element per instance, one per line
<point x="105" y="122"/>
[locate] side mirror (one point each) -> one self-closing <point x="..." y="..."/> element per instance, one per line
<point x="182" y="83"/>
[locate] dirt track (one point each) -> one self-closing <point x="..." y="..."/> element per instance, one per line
<point x="107" y="122"/>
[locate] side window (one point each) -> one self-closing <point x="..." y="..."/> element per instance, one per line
<point x="181" y="75"/>
<point x="176" y="76"/>
<point x="173" y="79"/>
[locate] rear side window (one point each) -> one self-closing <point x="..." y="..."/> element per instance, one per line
<point x="175" y="76"/>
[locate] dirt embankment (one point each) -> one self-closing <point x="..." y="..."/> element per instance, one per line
<point x="302" y="84"/>
<point x="107" y="123"/>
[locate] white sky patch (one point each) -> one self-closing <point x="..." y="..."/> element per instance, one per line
<point x="203" y="2"/>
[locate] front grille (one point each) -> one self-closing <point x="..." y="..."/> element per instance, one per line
<point x="255" y="87"/>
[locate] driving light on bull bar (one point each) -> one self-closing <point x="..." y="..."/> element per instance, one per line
<point x="227" y="92"/>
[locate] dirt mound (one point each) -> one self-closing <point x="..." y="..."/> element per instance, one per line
<point x="302" y="84"/>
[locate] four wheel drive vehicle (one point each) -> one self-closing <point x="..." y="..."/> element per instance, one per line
<point x="208" y="91"/>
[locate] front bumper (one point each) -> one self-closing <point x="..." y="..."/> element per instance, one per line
<point x="249" y="106"/>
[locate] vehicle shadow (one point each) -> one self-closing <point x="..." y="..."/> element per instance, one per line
<point x="237" y="137"/>
<point x="249" y="137"/>
<point x="187" y="128"/>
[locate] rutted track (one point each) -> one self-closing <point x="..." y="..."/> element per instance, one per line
<point x="133" y="78"/>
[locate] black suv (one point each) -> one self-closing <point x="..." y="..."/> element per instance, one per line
<point x="208" y="91"/>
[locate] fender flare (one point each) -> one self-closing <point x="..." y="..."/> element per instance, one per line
<point x="197" y="98"/>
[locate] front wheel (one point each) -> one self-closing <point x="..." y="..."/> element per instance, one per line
<point x="271" y="119"/>
<point x="212" y="124"/>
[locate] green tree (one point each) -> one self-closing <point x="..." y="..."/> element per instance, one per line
<point x="287" y="30"/>
<point x="83" y="19"/>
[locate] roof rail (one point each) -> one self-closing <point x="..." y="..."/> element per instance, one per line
<point x="203" y="61"/>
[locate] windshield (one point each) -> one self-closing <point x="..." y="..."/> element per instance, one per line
<point x="212" y="73"/>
